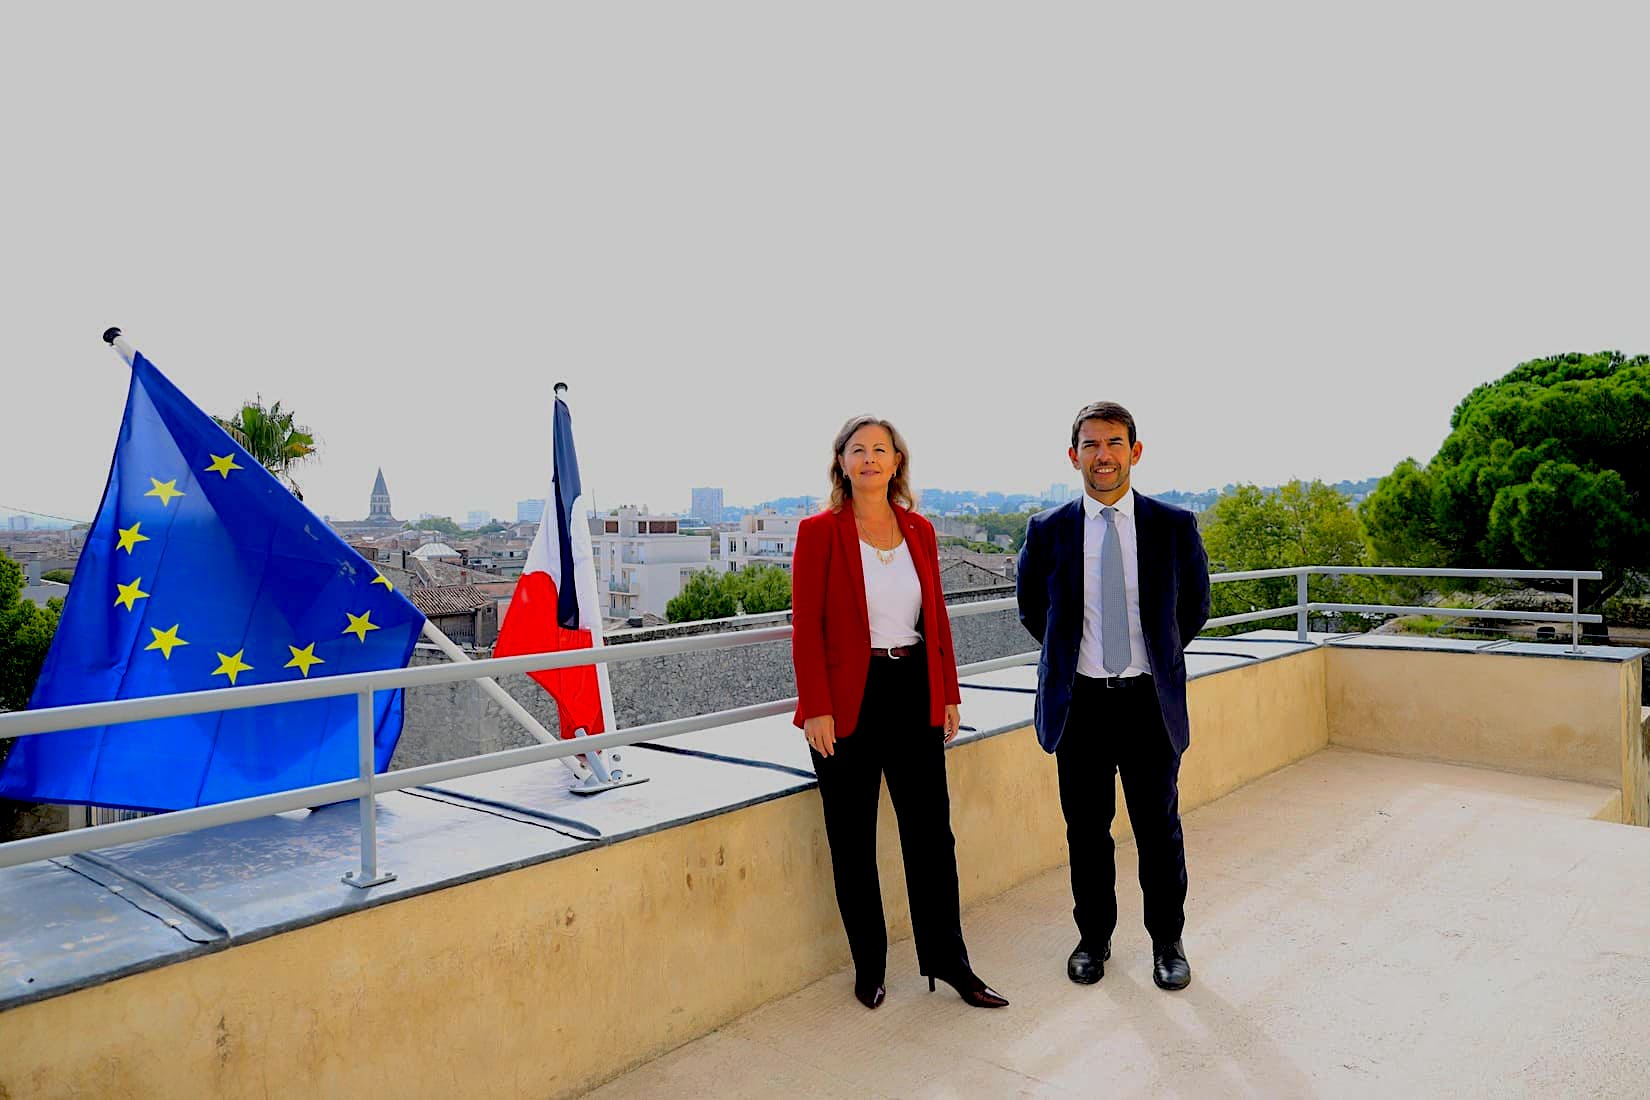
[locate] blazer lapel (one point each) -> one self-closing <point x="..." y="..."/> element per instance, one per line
<point x="848" y="536"/>
<point x="919" y="561"/>
<point x="1071" y="554"/>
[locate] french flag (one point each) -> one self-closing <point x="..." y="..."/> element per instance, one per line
<point x="555" y="603"/>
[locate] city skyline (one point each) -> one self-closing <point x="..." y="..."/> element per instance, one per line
<point x="469" y="515"/>
<point x="1278" y="284"/>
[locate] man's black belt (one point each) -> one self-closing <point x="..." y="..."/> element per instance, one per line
<point x="1120" y="683"/>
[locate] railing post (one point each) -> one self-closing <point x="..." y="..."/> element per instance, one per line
<point x="1300" y="599"/>
<point x="369" y="874"/>
<point x="1575" y="614"/>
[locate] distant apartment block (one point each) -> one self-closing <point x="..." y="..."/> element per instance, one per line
<point x="22" y="523"/>
<point x="529" y="511"/>
<point x="642" y="561"/>
<point x="472" y="520"/>
<point x="763" y="538"/>
<point x="707" y="505"/>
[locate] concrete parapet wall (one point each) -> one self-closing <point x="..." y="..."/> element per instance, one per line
<point x="1534" y="715"/>
<point x="546" y="980"/>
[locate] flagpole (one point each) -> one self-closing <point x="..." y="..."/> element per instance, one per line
<point x="491" y="688"/>
<point x="605" y="778"/>
<point x="112" y="336"/>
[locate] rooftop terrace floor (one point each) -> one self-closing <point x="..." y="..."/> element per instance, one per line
<point x="1358" y="925"/>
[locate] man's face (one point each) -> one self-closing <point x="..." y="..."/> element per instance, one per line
<point x="1104" y="457"/>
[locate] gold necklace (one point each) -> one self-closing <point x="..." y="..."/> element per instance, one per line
<point x="885" y="557"/>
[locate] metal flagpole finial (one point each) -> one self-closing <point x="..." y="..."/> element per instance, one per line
<point x="559" y="389"/>
<point x="114" y="339"/>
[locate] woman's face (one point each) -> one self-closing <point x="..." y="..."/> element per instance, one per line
<point x="869" y="460"/>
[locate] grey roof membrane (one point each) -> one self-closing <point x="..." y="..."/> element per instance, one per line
<point x="70" y="923"/>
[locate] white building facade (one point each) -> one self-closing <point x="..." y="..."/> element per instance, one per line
<point x="763" y="538"/>
<point x="642" y="561"/>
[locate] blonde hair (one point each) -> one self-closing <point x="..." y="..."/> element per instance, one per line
<point x="899" y="485"/>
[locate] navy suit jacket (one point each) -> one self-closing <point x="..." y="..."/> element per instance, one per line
<point x="1174" y="605"/>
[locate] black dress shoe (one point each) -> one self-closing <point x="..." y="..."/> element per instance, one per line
<point x="869" y="996"/>
<point x="1085" y="967"/>
<point x="1170" y="970"/>
<point x="972" y="990"/>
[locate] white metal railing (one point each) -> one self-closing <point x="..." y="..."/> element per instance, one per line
<point x="366" y="784"/>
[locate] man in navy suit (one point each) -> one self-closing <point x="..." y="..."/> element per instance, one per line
<point x="1114" y="585"/>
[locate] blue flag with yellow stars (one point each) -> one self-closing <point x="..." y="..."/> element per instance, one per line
<point x="203" y="571"/>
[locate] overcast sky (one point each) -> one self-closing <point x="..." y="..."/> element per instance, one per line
<point x="1289" y="238"/>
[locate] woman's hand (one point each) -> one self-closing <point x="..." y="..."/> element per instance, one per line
<point x="821" y="734"/>
<point x="953" y="721"/>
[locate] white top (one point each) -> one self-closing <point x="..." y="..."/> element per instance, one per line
<point x="893" y="596"/>
<point x="1089" y="651"/>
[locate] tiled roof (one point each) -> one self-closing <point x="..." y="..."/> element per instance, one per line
<point x="452" y="599"/>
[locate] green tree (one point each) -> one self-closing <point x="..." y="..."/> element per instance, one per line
<point x="1012" y="524"/>
<point x="1301" y="523"/>
<point x="25" y="634"/>
<point x="760" y="589"/>
<point x="705" y="596"/>
<point x="493" y="528"/>
<point x="753" y="590"/>
<point x="271" y="436"/>
<point x="974" y="545"/>
<point x="1547" y="467"/>
<point x="442" y="525"/>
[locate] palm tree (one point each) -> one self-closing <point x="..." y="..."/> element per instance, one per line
<point x="270" y="436"/>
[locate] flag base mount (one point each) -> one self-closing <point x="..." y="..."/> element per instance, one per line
<point x="593" y="785"/>
<point x="602" y="777"/>
<point x="360" y="882"/>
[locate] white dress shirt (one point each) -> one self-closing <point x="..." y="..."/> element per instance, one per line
<point x="1090" y="650"/>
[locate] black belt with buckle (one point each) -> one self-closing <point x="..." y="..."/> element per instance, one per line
<point x="1116" y="682"/>
<point x="894" y="653"/>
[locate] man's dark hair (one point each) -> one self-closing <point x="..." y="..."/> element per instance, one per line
<point x="1102" y="410"/>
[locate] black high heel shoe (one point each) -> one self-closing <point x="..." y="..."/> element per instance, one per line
<point x="869" y="996"/>
<point x="972" y="990"/>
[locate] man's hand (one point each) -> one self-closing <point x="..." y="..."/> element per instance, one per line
<point x="953" y="721"/>
<point x="821" y="734"/>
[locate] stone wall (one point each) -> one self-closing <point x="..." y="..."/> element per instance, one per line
<point x="450" y="721"/>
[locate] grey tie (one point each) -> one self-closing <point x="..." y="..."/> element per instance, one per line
<point x="1114" y="599"/>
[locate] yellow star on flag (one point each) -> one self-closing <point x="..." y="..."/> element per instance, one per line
<point x="231" y="666"/>
<point x="165" y="641"/>
<point x="383" y="580"/>
<point x="303" y="658"/>
<point x="129" y="537"/>
<point x="165" y="490"/>
<point x="130" y="594"/>
<point x="359" y="625"/>
<point x="222" y="464"/>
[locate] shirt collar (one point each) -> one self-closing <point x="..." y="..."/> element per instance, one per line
<point x="1124" y="506"/>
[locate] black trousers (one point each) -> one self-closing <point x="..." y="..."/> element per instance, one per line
<point x="1114" y="731"/>
<point x="893" y="738"/>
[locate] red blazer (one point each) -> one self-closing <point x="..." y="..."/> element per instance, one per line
<point x="831" y="629"/>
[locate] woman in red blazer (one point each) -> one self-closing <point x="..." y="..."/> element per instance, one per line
<point x="877" y="693"/>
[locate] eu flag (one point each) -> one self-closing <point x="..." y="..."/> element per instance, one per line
<point x="203" y="571"/>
